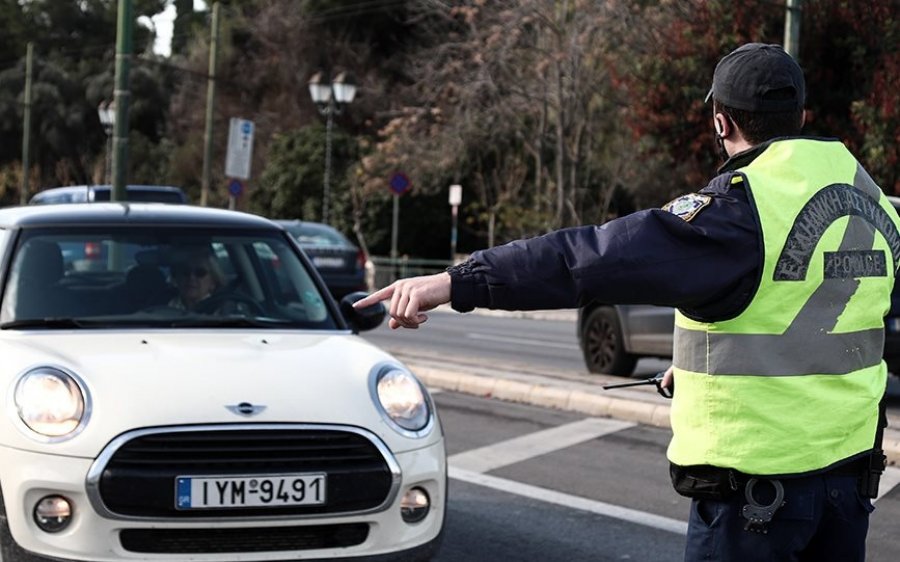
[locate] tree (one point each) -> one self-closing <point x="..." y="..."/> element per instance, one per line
<point x="74" y="43"/>
<point x="514" y="99"/>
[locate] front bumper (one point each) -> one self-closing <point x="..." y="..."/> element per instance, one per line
<point x="26" y="477"/>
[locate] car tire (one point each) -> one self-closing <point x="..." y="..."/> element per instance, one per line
<point x="603" y="344"/>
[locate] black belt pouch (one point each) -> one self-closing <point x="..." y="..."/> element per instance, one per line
<point x="703" y="482"/>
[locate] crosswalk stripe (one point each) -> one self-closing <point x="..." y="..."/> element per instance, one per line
<point x="522" y="448"/>
<point x="570" y="501"/>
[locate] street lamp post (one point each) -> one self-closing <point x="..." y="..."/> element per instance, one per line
<point x="107" y="113"/>
<point x="330" y="99"/>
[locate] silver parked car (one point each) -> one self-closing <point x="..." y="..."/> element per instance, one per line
<point x="614" y="337"/>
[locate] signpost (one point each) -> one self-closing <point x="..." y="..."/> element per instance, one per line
<point x="399" y="184"/>
<point x="455" y="200"/>
<point x="239" y="157"/>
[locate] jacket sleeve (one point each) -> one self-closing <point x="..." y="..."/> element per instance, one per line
<point x="706" y="266"/>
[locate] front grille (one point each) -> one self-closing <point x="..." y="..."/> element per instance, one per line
<point x="139" y="479"/>
<point x="267" y="539"/>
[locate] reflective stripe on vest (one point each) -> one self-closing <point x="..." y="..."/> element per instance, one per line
<point x="751" y="390"/>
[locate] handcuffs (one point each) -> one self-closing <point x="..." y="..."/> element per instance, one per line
<point x="757" y="515"/>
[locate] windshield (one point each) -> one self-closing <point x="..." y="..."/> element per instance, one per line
<point x="159" y="276"/>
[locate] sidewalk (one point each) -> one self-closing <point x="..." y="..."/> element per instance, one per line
<point x="571" y="392"/>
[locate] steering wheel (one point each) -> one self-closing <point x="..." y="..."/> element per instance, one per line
<point x="213" y="303"/>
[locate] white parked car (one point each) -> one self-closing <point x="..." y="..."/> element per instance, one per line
<point x="197" y="395"/>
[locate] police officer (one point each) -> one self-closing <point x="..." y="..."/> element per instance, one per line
<point x="781" y="271"/>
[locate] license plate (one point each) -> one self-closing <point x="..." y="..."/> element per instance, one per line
<point x="320" y="261"/>
<point x="212" y="492"/>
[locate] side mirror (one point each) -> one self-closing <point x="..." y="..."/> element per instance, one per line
<point x="361" y="319"/>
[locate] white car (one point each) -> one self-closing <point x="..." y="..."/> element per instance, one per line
<point x="249" y="424"/>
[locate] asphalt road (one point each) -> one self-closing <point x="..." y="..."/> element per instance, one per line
<point x="500" y="520"/>
<point x="552" y="345"/>
<point x="529" y="483"/>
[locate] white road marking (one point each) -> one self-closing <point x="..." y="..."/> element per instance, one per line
<point x="522" y="448"/>
<point x="570" y="501"/>
<point x="889" y="480"/>
<point x="524" y="341"/>
<point x="434" y="390"/>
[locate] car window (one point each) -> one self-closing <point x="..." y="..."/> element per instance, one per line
<point x="142" y="195"/>
<point x="161" y="276"/>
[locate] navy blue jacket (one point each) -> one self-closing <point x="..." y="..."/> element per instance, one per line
<point x="707" y="267"/>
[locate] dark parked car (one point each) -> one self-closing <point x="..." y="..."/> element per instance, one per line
<point x="97" y="193"/>
<point x="341" y="263"/>
<point x="614" y="337"/>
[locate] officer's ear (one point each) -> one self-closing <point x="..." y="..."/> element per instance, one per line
<point x="723" y="125"/>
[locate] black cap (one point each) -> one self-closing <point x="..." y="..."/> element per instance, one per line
<point x="760" y="78"/>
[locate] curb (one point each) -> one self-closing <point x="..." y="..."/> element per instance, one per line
<point x="638" y="406"/>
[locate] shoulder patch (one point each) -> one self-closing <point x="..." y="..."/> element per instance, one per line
<point x="687" y="206"/>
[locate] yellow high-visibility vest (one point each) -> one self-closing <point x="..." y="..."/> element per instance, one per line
<point x="792" y="384"/>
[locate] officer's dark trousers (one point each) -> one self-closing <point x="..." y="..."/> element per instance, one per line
<point x="823" y="519"/>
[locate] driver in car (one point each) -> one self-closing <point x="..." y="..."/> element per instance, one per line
<point x="196" y="275"/>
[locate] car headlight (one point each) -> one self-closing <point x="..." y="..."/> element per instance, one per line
<point x="402" y="400"/>
<point x="51" y="402"/>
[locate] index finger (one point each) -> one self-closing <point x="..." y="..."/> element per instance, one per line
<point x="377" y="296"/>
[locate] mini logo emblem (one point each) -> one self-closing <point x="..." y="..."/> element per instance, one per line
<point x="245" y="409"/>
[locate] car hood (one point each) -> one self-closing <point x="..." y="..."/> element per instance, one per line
<point x="165" y="378"/>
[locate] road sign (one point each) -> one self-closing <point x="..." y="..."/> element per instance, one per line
<point x="235" y="188"/>
<point x="240" y="148"/>
<point x="455" y="195"/>
<point x="400" y="183"/>
<point x="455" y="200"/>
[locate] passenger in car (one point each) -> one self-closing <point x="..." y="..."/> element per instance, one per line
<point x="196" y="275"/>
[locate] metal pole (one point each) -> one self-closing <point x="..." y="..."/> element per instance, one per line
<point x="210" y="102"/>
<point x="107" y="175"/>
<point x="122" y="95"/>
<point x="454" y="214"/>
<point x="792" y="28"/>
<point x="326" y="187"/>
<point x="26" y="127"/>
<point x="394" y="226"/>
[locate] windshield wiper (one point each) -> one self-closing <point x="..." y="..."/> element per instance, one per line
<point x="49" y="323"/>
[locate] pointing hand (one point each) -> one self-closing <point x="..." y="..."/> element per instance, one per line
<point x="410" y="297"/>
